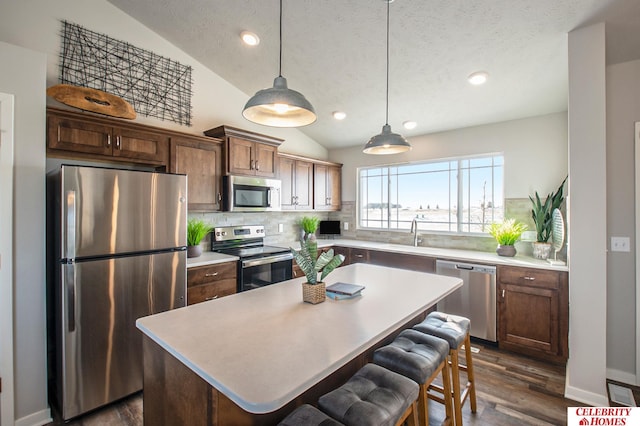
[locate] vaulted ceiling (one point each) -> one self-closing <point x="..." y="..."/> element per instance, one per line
<point x="334" y="53"/>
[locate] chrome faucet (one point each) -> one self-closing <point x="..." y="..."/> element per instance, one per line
<point x="414" y="231"/>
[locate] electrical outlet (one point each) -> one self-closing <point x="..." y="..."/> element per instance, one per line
<point x="346" y="226"/>
<point x="280" y="227"/>
<point x="620" y="244"/>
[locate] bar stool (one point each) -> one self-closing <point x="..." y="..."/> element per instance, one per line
<point x="308" y="415"/>
<point x="374" y="396"/>
<point x="421" y="358"/>
<point x="455" y="330"/>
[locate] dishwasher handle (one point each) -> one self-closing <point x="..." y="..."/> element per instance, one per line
<point x="446" y="264"/>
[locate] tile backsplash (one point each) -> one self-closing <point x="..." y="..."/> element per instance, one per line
<point x="518" y="208"/>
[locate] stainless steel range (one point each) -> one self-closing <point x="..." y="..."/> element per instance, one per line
<point x="259" y="265"/>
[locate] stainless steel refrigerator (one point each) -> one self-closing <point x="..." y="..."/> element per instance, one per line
<point x="117" y="252"/>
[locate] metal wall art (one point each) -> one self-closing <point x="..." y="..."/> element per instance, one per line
<point x="156" y="86"/>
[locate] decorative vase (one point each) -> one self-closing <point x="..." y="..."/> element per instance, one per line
<point x="541" y="250"/>
<point x="194" y="251"/>
<point x="313" y="293"/>
<point x="507" y="251"/>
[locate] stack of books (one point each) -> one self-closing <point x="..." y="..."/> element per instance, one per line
<point x="339" y="291"/>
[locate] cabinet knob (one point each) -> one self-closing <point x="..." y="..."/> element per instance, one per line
<point x="108" y="140"/>
<point x="257" y="165"/>
<point x="118" y="141"/>
<point x="360" y="255"/>
<point x="503" y="293"/>
<point x="211" y="275"/>
<point x="211" y="298"/>
<point x="530" y="278"/>
<point x="252" y="164"/>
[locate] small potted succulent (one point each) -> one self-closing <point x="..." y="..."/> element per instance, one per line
<point x="313" y="290"/>
<point x="197" y="229"/>
<point x="506" y="234"/>
<point x="542" y="218"/>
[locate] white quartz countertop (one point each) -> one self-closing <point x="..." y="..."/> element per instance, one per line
<point x="264" y="347"/>
<point x="210" y="258"/>
<point x="439" y="253"/>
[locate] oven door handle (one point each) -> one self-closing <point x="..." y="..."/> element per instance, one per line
<point x="266" y="260"/>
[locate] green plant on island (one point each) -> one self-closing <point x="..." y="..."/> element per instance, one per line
<point x="311" y="264"/>
<point x="507" y="232"/>
<point x="197" y="229"/>
<point x="542" y="212"/>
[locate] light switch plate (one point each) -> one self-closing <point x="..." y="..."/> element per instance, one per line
<point x="620" y="244"/>
<point x="280" y="227"/>
<point x="346" y="226"/>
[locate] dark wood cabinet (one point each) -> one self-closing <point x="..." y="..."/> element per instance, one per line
<point x="247" y="153"/>
<point x="297" y="183"/>
<point x="533" y="312"/>
<point x="402" y="261"/>
<point x="201" y="160"/>
<point x="211" y="282"/>
<point x="327" y="186"/>
<point x="80" y="135"/>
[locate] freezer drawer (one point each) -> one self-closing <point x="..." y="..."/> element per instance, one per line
<point x="476" y="299"/>
<point x="100" y="358"/>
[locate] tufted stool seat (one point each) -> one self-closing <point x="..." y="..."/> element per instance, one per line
<point x="455" y="330"/>
<point x="421" y="358"/>
<point x="373" y="396"/>
<point x="308" y="415"/>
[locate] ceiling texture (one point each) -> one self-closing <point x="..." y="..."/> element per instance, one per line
<point x="334" y="52"/>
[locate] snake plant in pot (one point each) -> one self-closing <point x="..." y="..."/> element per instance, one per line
<point x="542" y="214"/>
<point x="312" y="264"/>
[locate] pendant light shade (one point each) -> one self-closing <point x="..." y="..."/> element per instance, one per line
<point x="387" y="142"/>
<point x="279" y="106"/>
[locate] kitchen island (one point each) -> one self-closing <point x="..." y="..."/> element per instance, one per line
<point x="252" y="357"/>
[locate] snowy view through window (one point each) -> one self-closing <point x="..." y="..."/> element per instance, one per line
<point x="457" y="195"/>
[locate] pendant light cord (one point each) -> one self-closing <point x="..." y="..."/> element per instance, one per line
<point x="280" y="64"/>
<point x="387" y="110"/>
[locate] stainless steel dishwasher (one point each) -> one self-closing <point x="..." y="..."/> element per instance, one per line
<point x="476" y="299"/>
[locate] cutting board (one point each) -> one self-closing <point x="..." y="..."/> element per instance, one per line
<point x="92" y="100"/>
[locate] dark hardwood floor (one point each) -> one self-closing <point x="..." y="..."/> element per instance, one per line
<point x="511" y="389"/>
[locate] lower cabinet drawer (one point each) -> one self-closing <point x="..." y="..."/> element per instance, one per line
<point x="207" y="274"/>
<point x="210" y="291"/>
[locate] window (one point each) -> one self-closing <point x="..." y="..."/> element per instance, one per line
<point x="461" y="195"/>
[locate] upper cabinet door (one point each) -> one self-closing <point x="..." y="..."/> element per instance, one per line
<point x="79" y="136"/>
<point x="304" y="185"/>
<point x="265" y="160"/>
<point x="327" y="187"/>
<point x="148" y="146"/>
<point x="240" y="156"/>
<point x="201" y="161"/>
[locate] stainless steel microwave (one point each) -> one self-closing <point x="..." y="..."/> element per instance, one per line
<point x="251" y="194"/>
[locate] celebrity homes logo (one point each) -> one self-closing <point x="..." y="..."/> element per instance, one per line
<point x="603" y="416"/>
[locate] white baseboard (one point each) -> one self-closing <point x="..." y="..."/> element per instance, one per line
<point x="586" y="397"/>
<point x="621" y="376"/>
<point x="35" y="419"/>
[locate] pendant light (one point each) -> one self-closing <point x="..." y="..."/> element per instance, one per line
<point x="387" y="142"/>
<point x="279" y="106"/>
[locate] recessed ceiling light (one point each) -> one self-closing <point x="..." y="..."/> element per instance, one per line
<point x="409" y="125"/>
<point x="478" y="78"/>
<point x="249" y="38"/>
<point x="339" y="115"/>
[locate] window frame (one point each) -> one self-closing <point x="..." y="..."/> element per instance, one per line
<point x="460" y="193"/>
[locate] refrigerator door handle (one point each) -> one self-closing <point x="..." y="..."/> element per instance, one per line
<point x="70" y="281"/>
<point x="70" y="232"/>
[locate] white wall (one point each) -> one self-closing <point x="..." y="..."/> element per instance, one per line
<point x="587" y="198"/>
<point x="623" y="109"/>
<point x="535" y="152"/>
<point x="35" y="24"/>
<point x="23" y="75"/>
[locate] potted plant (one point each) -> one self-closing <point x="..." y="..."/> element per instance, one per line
<point x="313" y="291"/>
<point x="542" y="219"/>
<point x="197" y="229"/>
<point x="506" y="234"/>
<point x="309" y="226"/>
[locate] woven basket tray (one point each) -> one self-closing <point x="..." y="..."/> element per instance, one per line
<point x="313" y="293"/>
